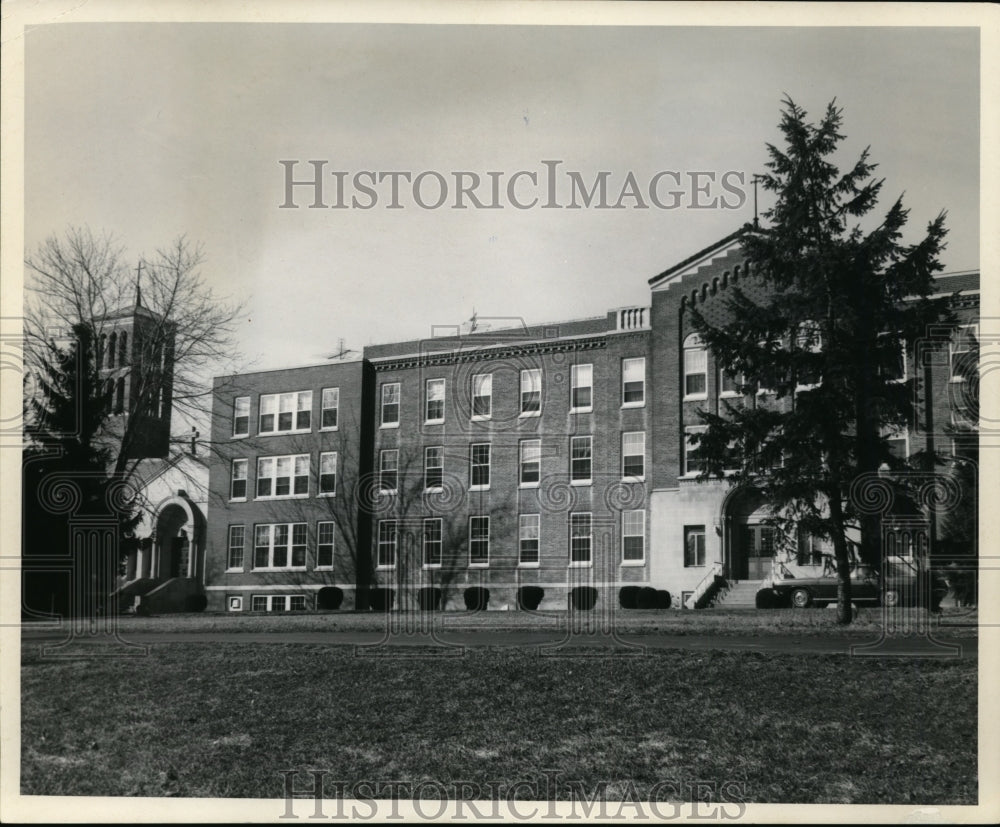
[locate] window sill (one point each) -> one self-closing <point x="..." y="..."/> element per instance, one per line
<point x="730" y="395"/>
<point x="297" y="431"/>
<point x="234" y="571"/>
<point x="581" y="482"/>
<point x="529" y="414"/>
<point x="282" y="497"/>
<point x="587" y="565"/>
<point x="238" y="499"/>
<point x="581" y="410"/>
<point x="433" y="489"/>
<point x="634" y="564"/>
<point x="327" y="494"/>
<point x="693" y="566"/>
<point x="240" y="436"/>
<point x="634" y="479"/>
<point x="479" y="565"/>
<point x="387" y="492"/>
<point x="695" y="397"/>
<point x="385" y="568"/>
<point x="529" y="485"/>
<point x="634" y="404"/>
<point x="388" y="425"/>
<point x="330" y="428"/>
<point x="323" y="568"/>
<point x="433" y="422"/>
<point x="430" y="566"/>
<point x="479" y="488"/>
<point x="534" y="565"/>
<point x="273" y="569"/>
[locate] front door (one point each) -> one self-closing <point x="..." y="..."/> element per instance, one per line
<point x="757" y="550"/>
<point x="178" y="555"/>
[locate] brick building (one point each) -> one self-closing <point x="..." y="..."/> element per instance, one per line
<point x="555" y="456"/>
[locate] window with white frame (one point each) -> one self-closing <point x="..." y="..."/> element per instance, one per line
<point x="633" y="536"/>
<point x="328" y="473"/>
<point x="435" y="400"/>
<point x="581" y="458"/>
<point x="432" y="542"/>
<point x="482" y="396"/>
<point x="285" y="412"/>
<point x="324" y="544"/>
<point x="330" y="412"/>
<point x="238" y="481"/>
<point x="693" y="463"/>
<point x="581" y="388"/>
<point x="279" y="546"/>
<point x="234" y="603"/>
<point x="695" y="368"/>
<point x="241" y="416"/>
<point x="278" y="603"/>
<point x="528" y="534"/>
<point x="390" y="405"/>
<point x="530" y="463"/>
<point x="694" y="546"/>
<point x="634" y="382"/>
<point x="388" y="470"/>
<point x="634" y="455"/>
<point x="893" y="361"/>
<point x="962" y="344"/>
<point x="283" y="476"/>
<point x="531" y="392"/>
<point x="387" y="540"/>
<point x="580" y="541"/>
<point x="297" y="603"/>
<point x="237" y="543"/>
<point x="730" y="383"/>
<point x="433" y="468"/>
<point x="479" y="541"/>
<point x="479" y="465"/>
<point x="808" y="339"/>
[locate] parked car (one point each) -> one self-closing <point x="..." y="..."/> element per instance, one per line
<point x="900" y="587"/>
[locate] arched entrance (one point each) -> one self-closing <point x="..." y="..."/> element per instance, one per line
<point x="748" y="543"/>
<point x="173" y="542"/>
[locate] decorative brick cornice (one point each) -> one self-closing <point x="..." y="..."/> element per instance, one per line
<point x="510" y="351"/>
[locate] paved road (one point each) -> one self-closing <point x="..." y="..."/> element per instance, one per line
<point x="56" y="641"/>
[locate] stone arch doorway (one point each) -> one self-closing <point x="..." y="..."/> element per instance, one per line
<point x="177" y="540"/>
<point x="748" y="543"/>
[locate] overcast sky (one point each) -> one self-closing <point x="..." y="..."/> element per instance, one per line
<point x="154" y="130"/>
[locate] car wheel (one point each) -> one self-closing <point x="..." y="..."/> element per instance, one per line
<point x="801" y="598"/>
<point x="890" y="597"/>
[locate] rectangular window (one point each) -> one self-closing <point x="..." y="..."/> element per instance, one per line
<point x="531" y="392"/>
<point x="278" y="603"/>
<point x="897" y="441"/>
<point x="692" y="461"/>
<point x="386" y="544"/>
<point x="579" y="539"/>
<point x="260" y="603"/>
<point x="238" y="484"/>
<point x="530" y="461"/>
<point x="730" y="384"/>
<point x="808" y="339"/>
<point x="293" y="412"/>
<point x="235" y="603"/>
<point x="432" y="542"/>
<point x="388" y="470"/>
<point x="960" y="347"/>
<point x="390" y="405"/>
<point x="482" y="396"/>
<point x="324" y="545"/>
<point x="297" y="603"/>
<point x="433" y="468"/>
<point x="328" y="473"/>
<point x="810" y="550"/>
<point x="331" y="408"/>
<point x="479" y="541"/>
<point x="634" y="455"/>
<point x="581" y="388"/>
<point x="283" y="476"/>
<point x="528" y="531"/>
<point x="241" y="416"/>
<point x="237" y="539"/>
<point x="893" y="367"/>
<point x="435" y="400"/>
<point x="633" y="536"/>
<point x="581" y="458"/>
<point x="634" y="381"/>
<point x="479" y="471"/>
<point x="695" y="369"/>
<point x="279" y="546"/>
<point x="694" y="546"/>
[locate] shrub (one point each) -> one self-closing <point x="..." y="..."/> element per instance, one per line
<point x="764" y="599"/>
<point x="583" y="598"/>
<point x="646" y="598"/>
<point x="329" y="598"/>
<point x="628" y="597"/>
<point x="662" y="599"/>
<point x="381" y="599"/>
<point x="429" y="598"/>
<point x="529" y="597"/>
<point x="195" y="603"/>
<point x="477" y="598"/>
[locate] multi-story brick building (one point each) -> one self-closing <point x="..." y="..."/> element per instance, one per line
<point x="554" y="456"/>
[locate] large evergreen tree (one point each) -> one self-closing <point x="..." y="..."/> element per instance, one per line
<point x="66" y="479"/>
<point x="819" y="325"/>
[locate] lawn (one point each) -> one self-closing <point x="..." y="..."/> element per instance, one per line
<point x="224" y="720"/>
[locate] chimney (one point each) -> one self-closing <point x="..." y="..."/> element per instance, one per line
<point x="194" y="439"/>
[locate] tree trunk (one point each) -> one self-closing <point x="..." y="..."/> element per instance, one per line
<point x="845" y="609"/>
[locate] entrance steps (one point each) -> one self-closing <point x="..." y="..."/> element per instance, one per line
<point x="740" y="594"/>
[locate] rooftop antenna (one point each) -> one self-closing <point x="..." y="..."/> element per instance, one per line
<point x="756" y="220"/>
<point x="341" y="351"/>
<point x="138" y="287"/>
<point x="473" y="322"/>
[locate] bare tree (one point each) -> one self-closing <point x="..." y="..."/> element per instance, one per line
<point x="187" y="332"/>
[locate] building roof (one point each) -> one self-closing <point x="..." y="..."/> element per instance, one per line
<point x="707" y="251"/>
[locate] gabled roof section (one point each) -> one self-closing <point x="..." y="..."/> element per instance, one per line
<point x="693" y="262"/>
<point x="955" y="282"/>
